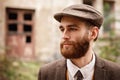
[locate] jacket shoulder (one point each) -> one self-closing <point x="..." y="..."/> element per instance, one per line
<point x="49" y="70"/>
<point x="112" y="68"/>
<point x="53" y="65"/>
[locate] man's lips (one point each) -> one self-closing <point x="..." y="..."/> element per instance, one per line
<point x="67" y="44"/>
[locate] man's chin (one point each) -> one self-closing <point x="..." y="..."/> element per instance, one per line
<point x="67" y="48"/>
<point x="69" y="55"/>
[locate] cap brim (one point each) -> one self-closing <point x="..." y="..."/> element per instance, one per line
<point x="59" y="16"/>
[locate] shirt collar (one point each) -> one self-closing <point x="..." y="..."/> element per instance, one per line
<point x="86" y="70"/>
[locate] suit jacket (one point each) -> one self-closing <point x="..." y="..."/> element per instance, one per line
<point x="104" y="70"/>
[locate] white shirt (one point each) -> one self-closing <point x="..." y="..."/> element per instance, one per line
<point x="87" y="71"/>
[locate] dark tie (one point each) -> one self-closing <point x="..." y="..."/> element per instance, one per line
<point x="79" y="75"/>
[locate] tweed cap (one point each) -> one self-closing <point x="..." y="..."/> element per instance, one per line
<point x="82" y="11"/>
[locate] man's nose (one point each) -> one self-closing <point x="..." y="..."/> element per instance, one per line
<point x="65" y="35"/>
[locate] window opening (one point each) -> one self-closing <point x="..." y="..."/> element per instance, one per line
<point x="12" y="16"/>
<point x="88" y="2"/>
<point x="12" y="27"/>
<point x="27" y="28"/>
<point x="27" y="16"/>
<point x="28" y="39"/>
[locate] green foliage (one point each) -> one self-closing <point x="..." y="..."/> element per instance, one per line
<point x="109" y="17"/>
<point x="110" y="44"/>
<point x="111" y="48"/>
<point x="12" y="69"/>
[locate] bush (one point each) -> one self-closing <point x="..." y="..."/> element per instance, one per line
<point x="111" y="49"/>
<point x="13" y="69"/>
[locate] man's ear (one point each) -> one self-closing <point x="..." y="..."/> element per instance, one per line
<point x="93" y="33"/>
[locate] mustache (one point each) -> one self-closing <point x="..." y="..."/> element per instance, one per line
<point x="67" y="42"/>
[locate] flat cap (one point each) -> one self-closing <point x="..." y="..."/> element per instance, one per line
<point x="83" y="11"/>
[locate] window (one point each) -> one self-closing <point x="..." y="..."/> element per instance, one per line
<point x="27" y="16"/>
<point x="27" y="28"/>
<point x="88" y="2"/>
<point x="20" y="22"/>
<point x="28" y="39"/>
<point x="12" y="16"/>
<point x="12" y="27"/>
<point x="19" y="32"/>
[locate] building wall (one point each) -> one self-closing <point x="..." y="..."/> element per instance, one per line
<point x="46" y="32"/>
<point x="1" y="27"/>
<point x="117" y="16"/>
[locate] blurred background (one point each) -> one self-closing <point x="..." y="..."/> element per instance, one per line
<point x="29" y="36"/>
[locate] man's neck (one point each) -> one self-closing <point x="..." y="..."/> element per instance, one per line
<point x="81" y="62"/>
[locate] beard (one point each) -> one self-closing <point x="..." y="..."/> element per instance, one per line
<point x="74" y="50"/>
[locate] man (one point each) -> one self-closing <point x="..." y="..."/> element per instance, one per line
<point x="79" y="25"/>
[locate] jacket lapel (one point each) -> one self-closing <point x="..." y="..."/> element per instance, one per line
<point x="100" y="72"/>
<point x="61" y="70"/>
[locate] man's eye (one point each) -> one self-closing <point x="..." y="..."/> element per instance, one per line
<point x="72" y="29"/>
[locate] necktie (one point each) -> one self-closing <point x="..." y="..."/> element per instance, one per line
<point x="79" y="75"/>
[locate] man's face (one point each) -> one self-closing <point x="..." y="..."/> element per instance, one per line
<point x="74" y="43"/>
